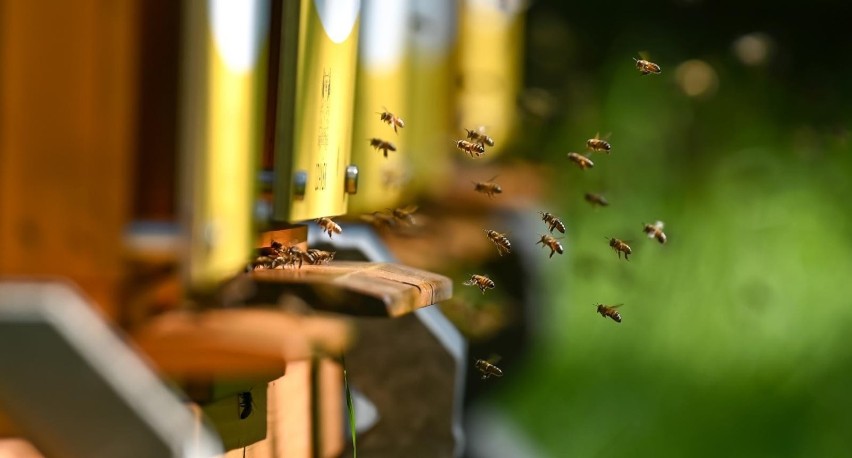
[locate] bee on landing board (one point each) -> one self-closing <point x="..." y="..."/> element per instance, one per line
<point x="382" y="145"/>
<point x="552" y="222"/>
<point x="655" y="231"/>
<point x="405" y="214"/>
<point x="596" y="199"/>
<point x="480" y="281"/>
<point x="620" y="247"/>
<point x="610" y="311"/>
<point x="598" y="144"/>
<point x="391" y="120"/>
<point x="478" y="136"/>
<point x="328" y="226"/>
<point x="472" y="149"/>
<point x="317" y="257"/>
<point x="552" y="243"/>
<point x="582" y="161"/>
<point x="488" y="188"/>
<point x="488" y="367"/>
<point x="500" y="240"/>
<point x="646" y="67"/>
<point x="246" y="404"/>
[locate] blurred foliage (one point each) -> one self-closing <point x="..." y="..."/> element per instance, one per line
<point x="733" y="341"/>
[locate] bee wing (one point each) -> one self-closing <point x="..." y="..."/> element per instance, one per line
<point x="494" y="358"/>
<point x="494" y="177"/>
<point x="410" y="209"/>
<point x="615" y="306"/>
<point x="644" y="55"/>
<point x="659" y="225"/>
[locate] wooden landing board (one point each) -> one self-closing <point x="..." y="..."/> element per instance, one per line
<point x="235" y="343"/>
<point x="355" y="288"/>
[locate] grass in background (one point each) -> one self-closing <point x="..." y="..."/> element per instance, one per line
<point x="733" y="341"/>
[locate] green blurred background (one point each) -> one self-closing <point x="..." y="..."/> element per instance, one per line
<point x="734" y="334"/>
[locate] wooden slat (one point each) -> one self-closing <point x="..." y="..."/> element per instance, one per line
<point x="68" y="86"/>
<point x="231" y="343"/>
<point x="356" y="288"/>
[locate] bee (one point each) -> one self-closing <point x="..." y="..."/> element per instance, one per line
<point x="620" y="247"/>
<point x="645" y="67"/>
<point x="261" y="263"/>
<point x="379" y="220"/>
<point x="380" y="144"/>
<point x="610" y="311"/>
<point x="582" y="161"/>
<point x="500" y="240"/>
<point x="391" y="119"/>
<point x="405" y="214"/>
<point x="319" y="256"/>
<point x="329" y="226"/>
<point x="480" y="281"/>
<point x="552" y="222"/>
<point x="552" y="243"/>
<point x="472" y="149"/>
<point x="488" y="368"/>
<point x="245" y="403"/>
<point x="488" y="188"/>
<point x="596" y="199"/>
<point x="478" y="136"/>
<point x="655" y="231"/>
<point x="598" y="144"/>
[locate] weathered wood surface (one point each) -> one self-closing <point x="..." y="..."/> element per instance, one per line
<point x="355" y="288"/>
<point x="232" y="343"/>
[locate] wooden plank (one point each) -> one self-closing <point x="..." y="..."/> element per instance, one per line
<point x="67" y="121"/>
<point x="355" y="288"/>
<point x="232" y="343"/>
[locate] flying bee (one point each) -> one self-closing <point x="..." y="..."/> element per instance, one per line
<point x="655" y="231"/>
<point x="405" y="214"/>
<point x="552" y="222"/>
<point x="472" y="149"/>
<point x="645" y="67"/>
<point x="598" y="144"/>
<point x="620" y="247"/>
<point x="488" y="188"/>
<point x="478" y="136"/>
<point x="328" y="226"/>
<point x="391" y="119"/>
<point x="379" y="220"/>
<point x="488" y="368"/>
<point x="596" y="199"/>
<point x="245" y="401"/>
<point x="500" y="240"/>
<point x="582" y="161"/>
<point x="610" y="311"/>
<point x="480" y="281"/>
<point x="382" y="145"/>
<point x="552" y="243"/>
<point x="320" y="256"/>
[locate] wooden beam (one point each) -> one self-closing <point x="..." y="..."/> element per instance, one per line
<point x="235" y="343"/>
<point x="355" y="288"/>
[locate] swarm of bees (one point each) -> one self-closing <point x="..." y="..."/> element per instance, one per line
<point x="480" y="281"/>
<point x="277" y="255"/>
